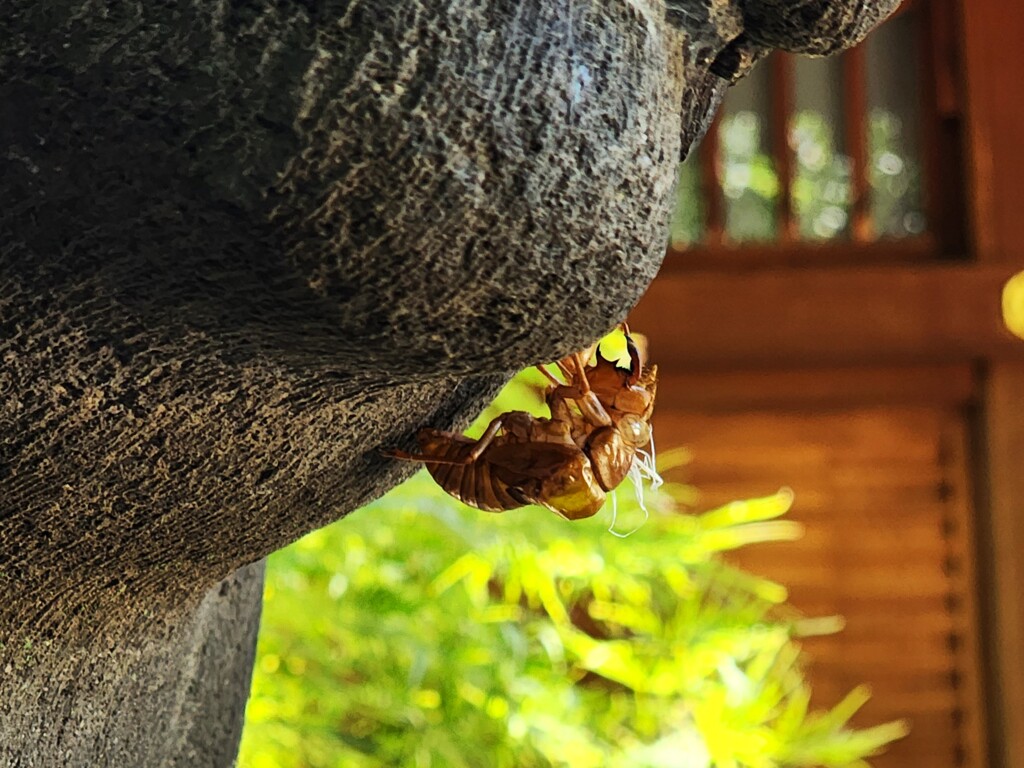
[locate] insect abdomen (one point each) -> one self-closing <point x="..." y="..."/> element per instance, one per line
<point x="473" y="483"/>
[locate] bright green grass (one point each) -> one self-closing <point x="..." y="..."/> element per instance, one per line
<point x="417" y="632"/>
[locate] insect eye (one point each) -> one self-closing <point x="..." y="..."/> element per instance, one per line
<point x="635" y="430"/>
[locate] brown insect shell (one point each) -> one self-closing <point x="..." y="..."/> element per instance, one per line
<point x="529" y="428"/>
<point x="573" y="492"/>
<point x="611" y="386"/>
<point x="611" y="456"/>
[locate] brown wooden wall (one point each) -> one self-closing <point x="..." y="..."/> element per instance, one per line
<point x="883" y="495"/>
<point x="878" y="381"/>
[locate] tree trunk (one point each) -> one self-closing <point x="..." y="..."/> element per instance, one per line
<point x="244" y="246"/>
<point x="173" y="695"/>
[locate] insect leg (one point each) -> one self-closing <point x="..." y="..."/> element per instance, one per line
<point x="589" y="404"/>
<point x="563" y="366"/>
<point x="579" y="373"/>
<point x="635" y="365"/>
<point x="481" y="445"/>
<point x="485" y="439"/>
<point x="549" y="375"/>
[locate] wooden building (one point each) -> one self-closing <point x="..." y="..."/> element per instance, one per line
<point x="864" y="361"/>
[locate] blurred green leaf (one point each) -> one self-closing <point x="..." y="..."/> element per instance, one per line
<point x="419" y="632"/>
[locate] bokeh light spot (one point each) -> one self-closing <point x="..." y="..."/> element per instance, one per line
<point x="1013" y="304"/>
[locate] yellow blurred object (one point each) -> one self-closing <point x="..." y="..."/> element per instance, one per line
<point x="1013" y="304"/>
<point x="427" y="698"/>
<point x="497" y="707"/>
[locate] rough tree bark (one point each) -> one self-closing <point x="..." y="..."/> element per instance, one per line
<point x="243" y="245"/>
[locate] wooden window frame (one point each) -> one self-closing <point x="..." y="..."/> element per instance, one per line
<point x="941" y="158"/>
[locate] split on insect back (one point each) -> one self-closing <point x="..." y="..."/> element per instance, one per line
<point x="598" y="434"/>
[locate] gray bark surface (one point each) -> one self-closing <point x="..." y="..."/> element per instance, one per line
<point x="244" y="246"/>
<point x="171" y="691"/>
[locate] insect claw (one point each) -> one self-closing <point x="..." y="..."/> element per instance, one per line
<point x="635" y="366"/>
<point x="396" y="453"/>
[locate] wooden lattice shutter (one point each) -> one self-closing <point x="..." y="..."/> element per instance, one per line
<point x="882" y="492"/>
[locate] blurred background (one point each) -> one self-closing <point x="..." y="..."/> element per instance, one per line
<point x="833" y="316"/>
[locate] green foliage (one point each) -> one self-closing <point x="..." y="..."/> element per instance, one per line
<point x="895" y="178"/>
<point x="418" y="632"/>
<point x="821" y="186"/>
<point x="749" y="181"/>
<point x="821" y="182"/>
<point x="686" y="222"/>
